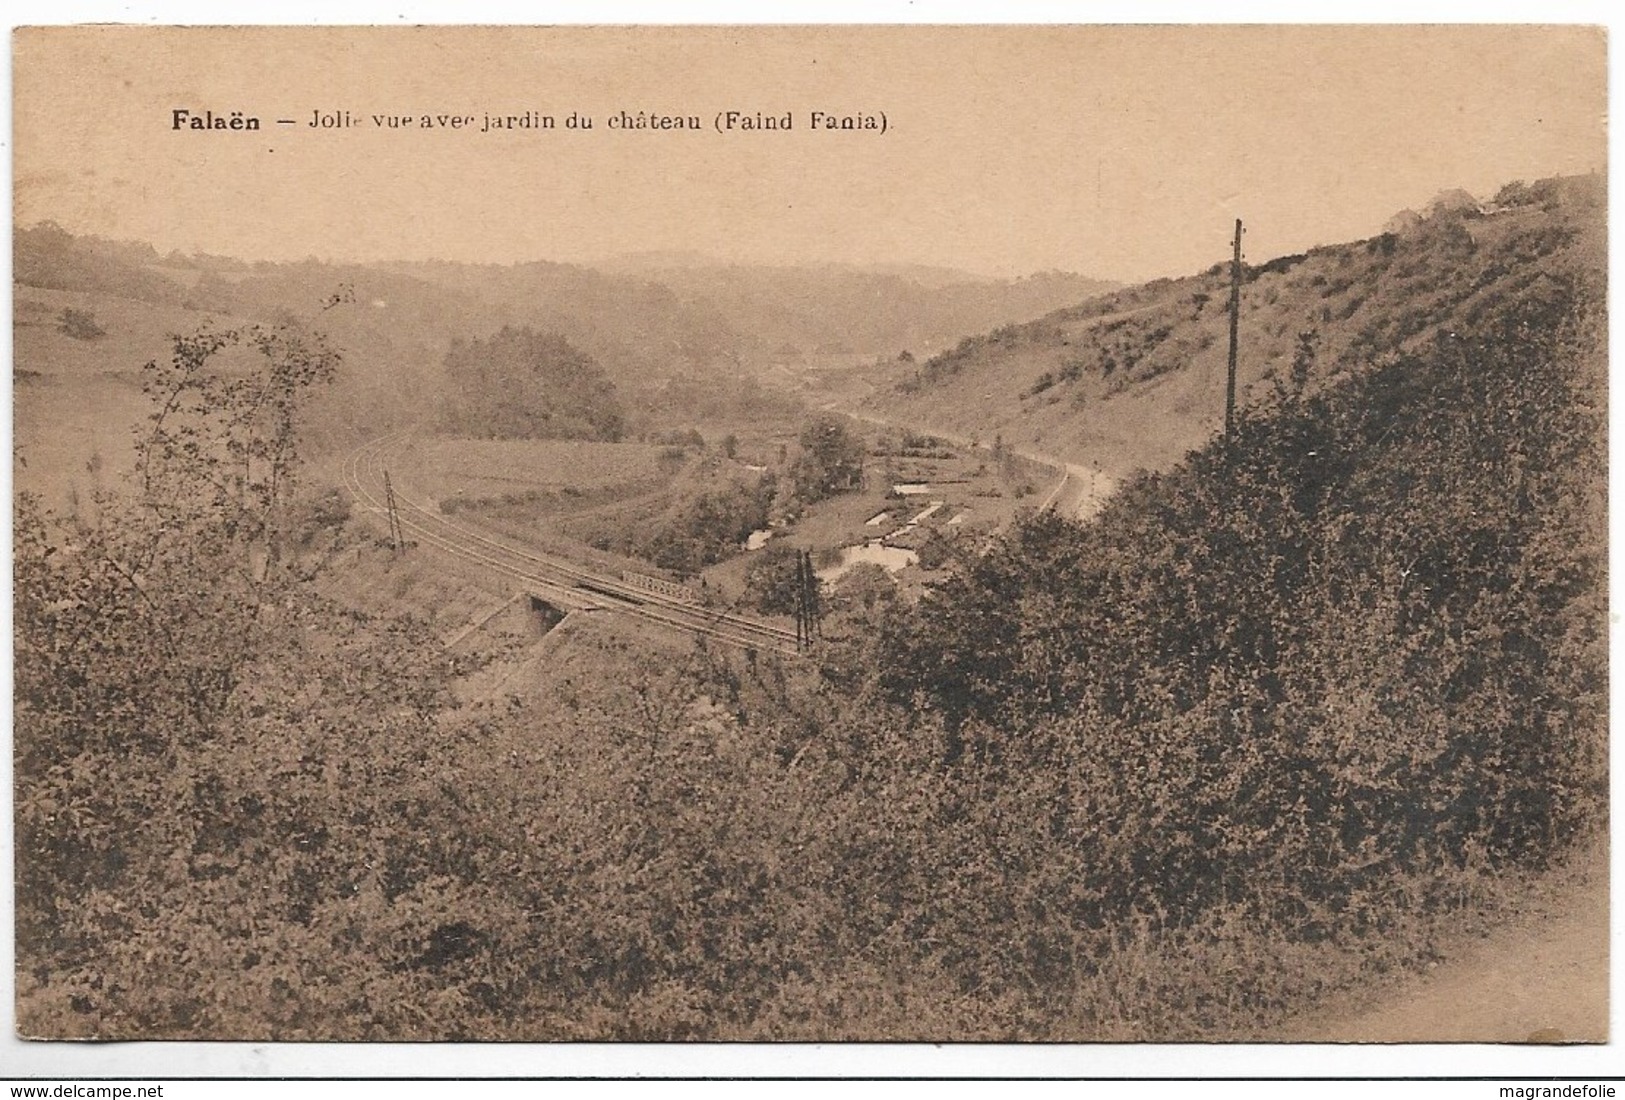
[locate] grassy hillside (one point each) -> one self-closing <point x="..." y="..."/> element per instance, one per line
<point x="77" y="399"/>
<point x="1135" y="379"/>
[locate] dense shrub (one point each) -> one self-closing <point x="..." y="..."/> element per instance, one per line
<point x="830" y="460"/>
<point x="705" y="525"/>
<point x="520" y="384"/>
<point x="81" y="324"/>
<point x="1361" y="641"/>
<point x="770" y="580"/>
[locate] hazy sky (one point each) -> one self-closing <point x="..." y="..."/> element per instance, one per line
<point x="1122" y="152"/>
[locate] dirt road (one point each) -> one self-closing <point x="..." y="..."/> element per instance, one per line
<point x="1542" y="978"/>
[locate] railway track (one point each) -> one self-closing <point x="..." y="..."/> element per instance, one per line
<point x="548" y="575"/>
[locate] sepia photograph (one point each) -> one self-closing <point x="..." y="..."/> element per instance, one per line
<point x="1070" y="534"/>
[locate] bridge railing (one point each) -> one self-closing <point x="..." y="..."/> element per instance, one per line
<point x="663" y="587"/>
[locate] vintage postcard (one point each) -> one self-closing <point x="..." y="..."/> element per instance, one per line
<point x="1082" y="534"/>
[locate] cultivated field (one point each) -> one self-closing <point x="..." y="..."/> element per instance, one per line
<point x="479" y="470"/>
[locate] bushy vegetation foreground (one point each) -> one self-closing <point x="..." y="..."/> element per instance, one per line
<point x="1267" y="725"/>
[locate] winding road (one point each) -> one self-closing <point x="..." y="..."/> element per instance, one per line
<point x="1078" y="495"/>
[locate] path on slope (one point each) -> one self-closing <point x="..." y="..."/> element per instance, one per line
<point x="1541" y="978"/>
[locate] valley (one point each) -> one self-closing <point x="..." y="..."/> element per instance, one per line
<point x="665" y="649"/>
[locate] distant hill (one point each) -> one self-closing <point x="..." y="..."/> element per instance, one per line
<point x="50" y="258"/>
<point x="1135" y="378"/>
<point x="658" y="259"/>
<point x="787" y="314"/>
<point x="661" y="325"/>
<point x="653" y="263"/>
<point x="635" y="327"/>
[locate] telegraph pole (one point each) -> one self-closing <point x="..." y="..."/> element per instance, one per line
<point x="395" y="538"/>
<point x="801" y="606"/>
<point x="806" y="600"/>
<point x="814" y="612"/>
<point x="1235" y="319"/>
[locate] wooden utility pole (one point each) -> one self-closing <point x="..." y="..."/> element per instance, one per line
<point x="815" y="614"/>
<point x="801" y="606"/>
<point x="1235" y="319"/>
<point x="806" y="600"/>
<point x="395" y="539"/>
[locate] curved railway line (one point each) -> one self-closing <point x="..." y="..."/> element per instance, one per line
<point x="547" y="575"/>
